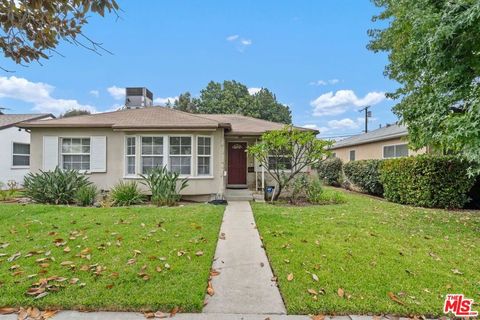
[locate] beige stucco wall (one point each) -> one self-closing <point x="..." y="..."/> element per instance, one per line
<point x="373" y="150"/>
<point x="116" y="157"/>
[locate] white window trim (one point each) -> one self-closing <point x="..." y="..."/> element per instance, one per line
<point x="394" y="150"/>
<point x="138" y="165"/>
<point x="61" y="154"/>
<point x="166" y="155"/>
<point x="125" y="172"/>
<point x="354" y="150"/>
<point x="193" y="152"/>
<point x="18" y="154"/>
<point x="282" y="156"/>
<point x="203" y="155"/>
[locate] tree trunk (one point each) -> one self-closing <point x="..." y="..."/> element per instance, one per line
<point x="277" y="193"/>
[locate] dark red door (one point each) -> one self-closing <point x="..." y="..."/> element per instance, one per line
<point x="237" y="163"/>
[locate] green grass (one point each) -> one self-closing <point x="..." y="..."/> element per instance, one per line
<point x="170" y="236"/>
<point x="369" y="247"/>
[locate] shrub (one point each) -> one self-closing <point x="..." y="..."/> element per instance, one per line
<point x="56" y="187"/>
<point x="365" y="174"/>
<point x="126" y="194"/>
<point x="86" y="195"/>
<point x="298" y="187"/>
<point x="330" y="171"/>
<point x="164" y="185"/>
<point x="314" y="190"/>
<point x="427" y="181"/>
<point x="7" y="193"/>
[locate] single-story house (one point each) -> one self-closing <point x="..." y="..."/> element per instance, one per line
<point x="15" y="146"/>
<point x="121" y="145"/>
<point x="389" y="141"/>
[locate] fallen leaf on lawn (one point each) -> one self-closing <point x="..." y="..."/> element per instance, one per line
<point x="167" y="266"/>
<point x="41" y="295"/>
<point x="210" y="290"/>
<point x="74" y="280"/>
<point x="131" y="261"/>
<point x="14" y="257"/>
<point x="199" y="253"/>
<point x="4" y="245"/>
<point x="456" y="271"/>
<point x="158" y="269"/>
<point x="312" y="291"/>
<point x="6" y="310"/>
<point x="67" y="249"/>
<point x="136" y="252"/>
<point x="393" y="297"/>
<point x="314" y="277"/>
<point x="341" y="292"/>
<point x="290" y="277"/>
<point x="66" y="263"/>
<point x="44" y="265"/>
<point x="109" y="286"/>
<point x="16" y="266"/>
<point x="174" y="311"/>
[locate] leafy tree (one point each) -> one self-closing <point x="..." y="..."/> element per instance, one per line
<point x="289" y="148"/>
<point x="31" y="30"/>
<point x="434" y="53"/>
<point x="186" y="103"/>
<point x="232" y="97"/>
<point x="74" y="112"/>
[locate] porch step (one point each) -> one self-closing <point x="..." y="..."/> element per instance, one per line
<point x="238" y="195"/>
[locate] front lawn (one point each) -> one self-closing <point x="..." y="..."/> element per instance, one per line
<point x="370" y="256"/>
<point x="138" y="258"/>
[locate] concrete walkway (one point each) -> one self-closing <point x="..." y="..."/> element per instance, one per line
<point x="244" y="285"/>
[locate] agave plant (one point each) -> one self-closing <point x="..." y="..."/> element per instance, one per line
<point x="55" y="187"/>
<point x="164" y="185"/>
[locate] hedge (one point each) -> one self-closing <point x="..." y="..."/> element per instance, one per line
<point x="365" y="174"/>
<point x="330" y="171"/>
<point x="427" y="181"/>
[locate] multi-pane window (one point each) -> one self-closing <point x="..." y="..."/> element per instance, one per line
<point x="21" y="154"/>
<point x="76" y="153"/>
<point x="352" y="155"/>
<point x="152" y="153"/>
<point x="280" y="163"/>
<point x="204" y="155"/>
<point x="130" y="155"/>
<point x="395" y="151"/>
<point x="181" y="155"/>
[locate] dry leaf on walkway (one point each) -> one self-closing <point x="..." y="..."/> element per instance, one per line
<point x="47" y="314"/>
<point x="290" y="277"/>
<point x="318" y="317"/>
<point x="214" y="273"/>
<point x="8" y="310"/>
<point x="210" y="290"/>
<point x="393" y="297"/>
<point x="340" y="292"/>
<point x="149" y="315"/>
<point x="160" y="315"/>
<point x="174" y="311"/>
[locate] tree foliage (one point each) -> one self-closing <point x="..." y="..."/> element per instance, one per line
<point x="232" y="97"/>
<point x="433" y="48"/>
<point x="74" y="112"/>
<point x="31" y="29"/>
<point x="300" y="148"/>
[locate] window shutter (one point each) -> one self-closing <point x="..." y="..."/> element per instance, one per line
<point x="98" y="154"/>
<point x="50" y="152"/>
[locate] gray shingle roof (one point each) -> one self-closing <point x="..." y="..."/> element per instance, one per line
<point x="385" y="133"/>
<point x="9" y="120"/>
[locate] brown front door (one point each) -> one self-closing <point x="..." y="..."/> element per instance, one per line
<point x="237" y="163"/>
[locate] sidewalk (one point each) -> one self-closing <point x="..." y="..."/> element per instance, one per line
<point x="244" y="285"/>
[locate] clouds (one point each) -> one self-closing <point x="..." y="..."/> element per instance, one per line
<point x="94" y="93"/>
<point x="240" y="43"/>
<point x="253" y="91"/>
<point x="324" y="82"/>
<point x="39" y="94"/>
<point x="163" y="101"/>
<point x="330" y="104"/>
<point x="116" y="92"/>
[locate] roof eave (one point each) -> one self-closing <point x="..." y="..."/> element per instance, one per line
<point x="393" y="136"/>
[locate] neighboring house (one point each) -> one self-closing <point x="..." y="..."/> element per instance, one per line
<point x="15" y="147"/>
<point x="208" y="149"/>
<point x="386" y="142"/>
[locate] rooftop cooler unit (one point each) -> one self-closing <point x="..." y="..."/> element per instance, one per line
<point x="138" y="98"/>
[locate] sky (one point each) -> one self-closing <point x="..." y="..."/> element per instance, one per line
<point x="311" y="54"/>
